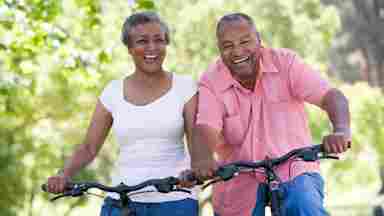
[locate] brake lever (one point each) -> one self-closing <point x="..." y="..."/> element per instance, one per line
<point x="211" y="182"/>
<point x="182" y="190"/>
<point x="328" y="156"/>
<point x="57" y="197"/>
<point x="75" y="192"/>
<point x="65" y="194"/>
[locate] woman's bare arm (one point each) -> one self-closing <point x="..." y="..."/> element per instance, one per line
<point x="97" y="132"/>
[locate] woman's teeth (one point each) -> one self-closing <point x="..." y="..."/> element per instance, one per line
<point x="151" y="57"/>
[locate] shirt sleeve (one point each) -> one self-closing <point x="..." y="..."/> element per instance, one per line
<point x="305" y="83"/>
<point x="210" y="110"/>
<point x="108" y="94"/>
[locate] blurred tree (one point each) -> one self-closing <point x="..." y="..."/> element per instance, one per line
<point x="52" y="66"/>
<point x="361" y="39"/>
<point x="46" y="59"/>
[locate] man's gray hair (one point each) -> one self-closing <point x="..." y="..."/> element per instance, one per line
<point x="235" y="17"/>
<point x="140" y="19"/>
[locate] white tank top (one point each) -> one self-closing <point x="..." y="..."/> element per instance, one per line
<point x="150" y="137"/>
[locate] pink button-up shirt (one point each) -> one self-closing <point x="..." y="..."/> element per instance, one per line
<point x="266" y="122"/>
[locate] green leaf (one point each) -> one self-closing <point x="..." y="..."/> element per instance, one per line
<point x="145" y="4"/>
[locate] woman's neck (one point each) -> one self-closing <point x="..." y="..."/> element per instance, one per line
<point x="150" y="79"/>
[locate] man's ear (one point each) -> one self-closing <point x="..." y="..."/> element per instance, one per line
<point x="259" y="38"/>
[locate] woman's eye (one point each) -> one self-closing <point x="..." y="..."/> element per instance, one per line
<point x="160" y="40"/>
<point x="141" y="41"/>
<point x="244" y="42"/>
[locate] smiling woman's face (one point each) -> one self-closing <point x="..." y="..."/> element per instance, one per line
<point x="239" y="47"/>
<point x="147" y="46"/>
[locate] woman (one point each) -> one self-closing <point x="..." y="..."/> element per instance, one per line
<point x="149" y="110"/>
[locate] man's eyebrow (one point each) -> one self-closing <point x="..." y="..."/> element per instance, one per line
<point x="247" y="36"/>
<point x="226" y="41"/>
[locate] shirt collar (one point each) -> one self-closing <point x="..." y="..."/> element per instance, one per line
<point x="224" y="77"/>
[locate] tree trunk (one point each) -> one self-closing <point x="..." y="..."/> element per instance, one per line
<point x="380" y="74"/>
<point x="365" y="67"/>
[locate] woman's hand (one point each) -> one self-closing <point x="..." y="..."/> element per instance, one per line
<point x="187" y="179"/>
<point x="56" y="184"/>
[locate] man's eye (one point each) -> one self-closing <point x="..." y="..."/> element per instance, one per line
<point x="228" y="46"/>
<point x="244" y="42"/>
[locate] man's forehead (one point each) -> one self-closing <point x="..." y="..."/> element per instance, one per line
<point x="235" y="26"/>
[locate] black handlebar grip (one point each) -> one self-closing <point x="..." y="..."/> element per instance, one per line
<point x="192" y="178"/>
<point x="44" y="187"/>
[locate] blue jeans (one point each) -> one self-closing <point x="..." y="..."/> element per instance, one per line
<point x="186" y="207"/>
<point x="302" y="196"/>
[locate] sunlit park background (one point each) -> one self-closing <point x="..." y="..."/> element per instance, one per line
<point x="56" y="56"/>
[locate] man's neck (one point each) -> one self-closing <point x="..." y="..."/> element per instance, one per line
<point x="250" y="82"/>
<point x="247" y="83"/>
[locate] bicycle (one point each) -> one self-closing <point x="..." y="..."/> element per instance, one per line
<point x="163" y="185"/>
<point x="275" y="199"/>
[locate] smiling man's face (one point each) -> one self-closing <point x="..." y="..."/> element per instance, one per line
<point x="239" y="47"/>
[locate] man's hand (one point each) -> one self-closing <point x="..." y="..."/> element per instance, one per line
<point x="337" y="142"/>
<point x="337" y="107"/>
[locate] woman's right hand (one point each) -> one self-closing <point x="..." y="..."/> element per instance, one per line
<point x="56" y="184"/>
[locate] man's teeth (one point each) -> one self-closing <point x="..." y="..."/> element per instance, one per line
<point x="240" y="60"/>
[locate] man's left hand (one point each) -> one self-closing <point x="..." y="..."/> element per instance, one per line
<point x="337" y="142"/>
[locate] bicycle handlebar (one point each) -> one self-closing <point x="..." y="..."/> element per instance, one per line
<point x="311" y="153"/>
<point x="163" y="185"/>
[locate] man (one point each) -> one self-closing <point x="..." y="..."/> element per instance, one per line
<point x="251" y="106"/>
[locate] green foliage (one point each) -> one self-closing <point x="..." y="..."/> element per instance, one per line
<point x="38" y="93"/>
<point x="145" y="4"/>
<point x="56" y="56"/>
<point x="358" y="168"/>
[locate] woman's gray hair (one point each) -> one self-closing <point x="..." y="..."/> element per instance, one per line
<point x="140" y="19"/>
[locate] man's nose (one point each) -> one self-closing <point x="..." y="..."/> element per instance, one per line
<point x="237" y="51"/>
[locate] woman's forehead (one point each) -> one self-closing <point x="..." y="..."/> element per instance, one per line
<point x="152" y="27"/>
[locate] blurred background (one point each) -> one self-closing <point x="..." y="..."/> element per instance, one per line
<point x="56" y="56"/>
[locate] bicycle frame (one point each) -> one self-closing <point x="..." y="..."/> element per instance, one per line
<point x="273" y="181"/>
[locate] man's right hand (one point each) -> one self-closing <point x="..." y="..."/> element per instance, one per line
<point x="56" y="184"/>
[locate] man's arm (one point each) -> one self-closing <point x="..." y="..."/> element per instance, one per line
<point x="336" y="105"/>
<point x="204" y="140"/>
<point x="307" y="85"/>
<point x="189" y="114"/>
<point x="206" y="134"/>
